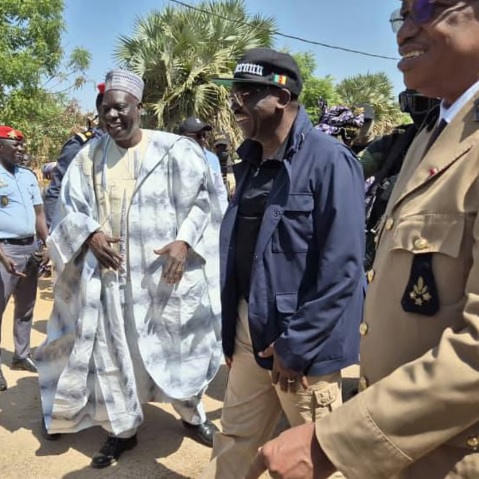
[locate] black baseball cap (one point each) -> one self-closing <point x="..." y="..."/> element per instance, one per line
<point x="193" y="125"/>
<point x="264" y="66"/>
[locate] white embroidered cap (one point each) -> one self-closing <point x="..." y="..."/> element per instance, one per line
<point x="126" y="81"/>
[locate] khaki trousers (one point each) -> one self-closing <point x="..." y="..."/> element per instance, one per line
<point x="253" y="407"/>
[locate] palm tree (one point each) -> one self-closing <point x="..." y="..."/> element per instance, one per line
<point x="374" y="89"/>
<point x="178" y="50"/>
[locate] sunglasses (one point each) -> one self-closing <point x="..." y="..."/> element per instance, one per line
<point x="240" y="96"/>
<point x="421" y="12"/>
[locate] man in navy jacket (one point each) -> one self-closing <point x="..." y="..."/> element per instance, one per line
<point x="292" y="244"/>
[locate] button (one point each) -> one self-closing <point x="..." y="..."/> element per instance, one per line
<point x="363" y="383"/>
<point x="421" y="243"/>
<point x="276" y="214"/>
<point x="389" y="224"/>
<point x="363" y="329"/>
<point x="370" y="275"/>
<point x="473" y="442"/>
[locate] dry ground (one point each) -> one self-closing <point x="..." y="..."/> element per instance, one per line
<point x="164" y="451"/>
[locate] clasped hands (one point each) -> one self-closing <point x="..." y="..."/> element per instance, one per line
<point x="176" y="252"/>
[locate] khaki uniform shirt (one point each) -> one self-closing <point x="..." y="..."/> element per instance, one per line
<point x="418" y="414"/>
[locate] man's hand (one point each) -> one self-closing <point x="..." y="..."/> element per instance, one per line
<point x="99" y="243"/>
<point x="295" y="454"/>
<point x="287" y="378"/>
<point x="44" y="255"/>
<point x="10" y="266"/>
<point x="228" y="361"/>
<point x="175" y="266"/>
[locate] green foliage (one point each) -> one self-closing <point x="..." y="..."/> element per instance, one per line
<point x="178" y="50"/>
<point x="30" y="32"/>
<point x="50" y="121"/>
<point x="30" y="62"/>
<point x="375" y="89"/>
<point x="314" y="87"/>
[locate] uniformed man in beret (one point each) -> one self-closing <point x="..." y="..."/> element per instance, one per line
<point x="21" y="217"/>
<point x="69" y="151"/>
<point x="417" y="416"/>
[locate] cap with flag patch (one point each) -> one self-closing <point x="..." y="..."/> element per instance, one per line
<point x="266" y="67"/>
<point x="9" y="133"/>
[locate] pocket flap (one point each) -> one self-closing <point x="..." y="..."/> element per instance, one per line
<point x="299" y="202"/>
<point x="287" y="303"/>
<point x="325" y="397"/>
<point x="434" y="233"/>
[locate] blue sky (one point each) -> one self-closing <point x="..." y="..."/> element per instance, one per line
<point x="357" y="24"/>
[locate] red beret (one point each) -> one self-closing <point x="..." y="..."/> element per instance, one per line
<point x="9" y="133"/>
<point x="101" y="88"/>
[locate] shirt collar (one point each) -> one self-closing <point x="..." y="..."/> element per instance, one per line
<point x="448" y="114"/>
<point x="280" y="153"/>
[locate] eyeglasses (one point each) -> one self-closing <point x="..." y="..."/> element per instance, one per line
<point x="240" y="96"/>
<point x="421" y="12"/>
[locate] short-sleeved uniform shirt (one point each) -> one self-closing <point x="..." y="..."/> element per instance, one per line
<point x="19" y="194"/>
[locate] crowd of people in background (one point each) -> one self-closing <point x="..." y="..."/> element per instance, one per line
<point x="314" y="244"/>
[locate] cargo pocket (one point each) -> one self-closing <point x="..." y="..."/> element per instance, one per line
<point x="325" y="400"/>
<point x="295" y="229"/>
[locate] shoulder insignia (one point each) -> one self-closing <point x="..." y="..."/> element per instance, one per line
<point x="84" y="137"/>
<point x="421" y="296"/>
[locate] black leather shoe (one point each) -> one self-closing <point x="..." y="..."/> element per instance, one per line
<point x="203" y="432"/>
<point x="46" y="435"/>
<point x="113" y="448"/>
<point x="24" y="364"/>
<point x="3" y="382"/>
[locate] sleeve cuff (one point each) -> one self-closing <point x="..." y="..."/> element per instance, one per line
<point x="356" y="446"/>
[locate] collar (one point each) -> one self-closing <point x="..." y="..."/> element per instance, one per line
<point x="252" y="151"/>
<point x="448" y="114"/>
<point x="5" y="171"/>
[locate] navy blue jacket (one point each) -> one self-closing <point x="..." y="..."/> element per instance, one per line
<point x="307" y="281"/>
<point x="69" y="151"/>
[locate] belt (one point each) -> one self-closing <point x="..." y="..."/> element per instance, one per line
<point x="18" y="241"/>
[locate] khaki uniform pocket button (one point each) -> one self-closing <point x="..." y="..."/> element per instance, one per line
<point x="421" y="243"/>
<point x="389" y="224"/>
<point x="473" y="442"/>
<point x="363" y="329"/>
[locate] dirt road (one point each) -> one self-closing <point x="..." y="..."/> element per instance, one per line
<point x="164" y="451"/>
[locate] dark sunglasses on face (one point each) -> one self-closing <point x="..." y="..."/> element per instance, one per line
<point x="240" y="96"/>
<point x="420" y="12"/>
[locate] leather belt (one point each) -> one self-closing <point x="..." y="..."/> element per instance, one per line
<point x="18" y="241"/>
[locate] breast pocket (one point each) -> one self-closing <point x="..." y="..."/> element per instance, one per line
<point x="295" y="229"/>
<point x="443" y="236"/>
<point x="6" y="196"/>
